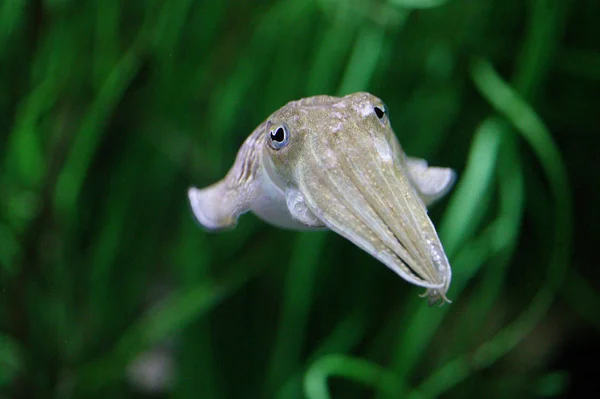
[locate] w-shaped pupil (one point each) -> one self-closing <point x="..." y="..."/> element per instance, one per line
<point x="278" y="135"/>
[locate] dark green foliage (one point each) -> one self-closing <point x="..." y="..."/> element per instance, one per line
<point x="111" y="109"/>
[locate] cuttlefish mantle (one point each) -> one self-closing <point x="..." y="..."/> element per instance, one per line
<point x="335" y="162"/>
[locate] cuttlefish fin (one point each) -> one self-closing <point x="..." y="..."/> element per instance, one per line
<point x="431" y="182"/>
<point x="219" y="206"/>
<point x="296" y="203"/>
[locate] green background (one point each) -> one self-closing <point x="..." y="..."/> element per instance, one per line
<point x="111" y="109"/>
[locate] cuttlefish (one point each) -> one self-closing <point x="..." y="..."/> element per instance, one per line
<point x="335" y="163"/>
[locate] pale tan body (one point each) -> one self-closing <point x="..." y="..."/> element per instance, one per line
<point x="339" y="166"/>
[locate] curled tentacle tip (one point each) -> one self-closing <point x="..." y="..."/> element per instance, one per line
<point x="435" y="297"/>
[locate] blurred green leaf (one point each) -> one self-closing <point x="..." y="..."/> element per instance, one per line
<point x="12" y="14"/>
<point x="552" y="384"/>
<point x="11" y="360"/>
<point x="166" y="318"/>
<point x="10" y="250"/>
<point x="358" y="370"/>
<point x="304" y="265"/>
<point x="473" y="191"/>
<point x="24" y="160"/>
<point x="86" y="142"/>
<point x="418" y="3"/>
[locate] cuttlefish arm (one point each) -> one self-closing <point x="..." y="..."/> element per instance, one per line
<point x="329" y="162"/>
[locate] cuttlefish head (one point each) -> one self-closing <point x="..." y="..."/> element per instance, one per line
<point x="339" y="162"/>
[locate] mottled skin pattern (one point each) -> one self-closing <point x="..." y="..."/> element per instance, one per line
<point x="335" y="162"/>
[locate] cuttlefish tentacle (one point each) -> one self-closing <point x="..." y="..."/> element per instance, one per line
<point x="330" y="162"/>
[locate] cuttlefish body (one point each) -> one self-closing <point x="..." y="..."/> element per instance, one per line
<point x="335" y="162"/>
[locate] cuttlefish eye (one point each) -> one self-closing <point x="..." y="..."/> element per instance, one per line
<point x="278" y="137"/>
<point x="380" y="112"/>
